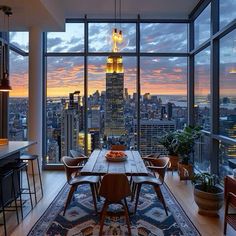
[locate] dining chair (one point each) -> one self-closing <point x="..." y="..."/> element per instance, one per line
<point x="75" y="153"/>
<point x="118" y="147"/>
<point x="159" y="166"/>
<point x="230" y="218"/>
<point x="115" y="188"/>
<point x="74" y="179"/>
<point x="147" y="159"/>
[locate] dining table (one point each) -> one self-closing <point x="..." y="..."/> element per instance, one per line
<point x="98" y="164"/>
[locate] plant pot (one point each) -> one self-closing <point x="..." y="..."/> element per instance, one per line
<point x="185" y="171"/>
<point x="173" y="162"/>
<point x="208" y="203"/>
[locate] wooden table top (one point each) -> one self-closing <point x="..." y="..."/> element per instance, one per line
<point x="13" y="147"/>
<point x="98" y="165"/>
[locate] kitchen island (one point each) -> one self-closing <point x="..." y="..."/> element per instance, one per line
<point x="11" y="151"/>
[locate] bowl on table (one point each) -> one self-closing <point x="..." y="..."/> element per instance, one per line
<point x="116" y="156"/>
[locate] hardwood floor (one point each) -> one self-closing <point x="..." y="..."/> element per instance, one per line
<point x="182" y="190"/>
<point x="53" y="181"/>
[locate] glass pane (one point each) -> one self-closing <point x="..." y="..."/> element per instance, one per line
<point x="228" y="85"/>
<point x="100" y="37"/>
<point x="163" y="99"/>
<point x="202" y="30"/>
<point x="227" y="12"/>
<point x="72" y="40"/>
<point x="202" y="89"/>
<point x="227" y="156"/>
<point x="163" y="37"/>
<point x="111" y="105"/>
<point x="20" y="40"/>
<point x="202" y="154"/>
<point x="65" y="78"/>
<point x="18" y="97"/>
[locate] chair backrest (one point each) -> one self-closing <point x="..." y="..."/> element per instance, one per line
<point x="231" y="199"/>
<point x="69" y="164"/>
<point x="115" y="187"/>
<point x="162" y="164"/>
<point x="75" y="153"/>
<point x="118" y="147"/>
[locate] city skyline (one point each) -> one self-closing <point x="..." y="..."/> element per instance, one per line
<point x="159" y="75"/>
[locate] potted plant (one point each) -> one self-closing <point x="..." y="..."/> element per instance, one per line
<point x="207" y="194"/>
<point x="170" y="143"/>
<point x="186" y="139"/>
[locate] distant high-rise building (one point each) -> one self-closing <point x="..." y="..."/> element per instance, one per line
<point x="95" y="117"/>
<point x="70" y="127"/>
<point x="69" y="131"/>
<point x="114" y="111"/>
<point x="169" y="110"/>
<point x="150" y="133"/>
<point x="126" y="94"/>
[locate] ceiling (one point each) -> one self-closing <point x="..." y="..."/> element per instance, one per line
<point x="50" y="15"/>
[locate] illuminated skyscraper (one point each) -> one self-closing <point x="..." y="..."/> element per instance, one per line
<point x="114" y="116"/>
<point x="70" y="127"/>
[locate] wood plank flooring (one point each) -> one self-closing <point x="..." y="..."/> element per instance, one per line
<point x="53" y="181"/>
<point x="182" y="190"/>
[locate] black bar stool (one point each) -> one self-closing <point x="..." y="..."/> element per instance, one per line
<point x="18" y="168"/>
<point x="30" y="158"/>
<point x="7" y="194"/>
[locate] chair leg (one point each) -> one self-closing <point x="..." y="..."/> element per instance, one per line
<point x="35" y="192"/>
<point x="20" y="190"/>
<point x="30" y="194"/>
<point x="14" y="194"/>
<point x="96" y="189"/>
<point x="3" y="210"/>
<point x="134" y="187"/>
<point x="103" y="214"/>
<point x="160" y="196"/>
<point x="92" y="186"/>
<point x="127" y="218"/>
<point x="40" y="177"/>
<point x="4" y="221"/>
<point x="225" y="227"/>
<point x="70" y="194"/>
<point x="126" y="205"/>
<point x="137" y="197"/>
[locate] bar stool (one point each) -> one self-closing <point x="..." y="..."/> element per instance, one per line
<point x="8" y="195"/>
<point x="29" y="158"/>
<point x="18" y="168"/>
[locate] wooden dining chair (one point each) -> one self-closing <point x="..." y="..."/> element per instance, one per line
<point x="230" y="218"/>
<point x="148" y="158"/>
<point x="159" y="166"/>
<point x="74" y="179"/>
<point x="115" y="188"/>
<point x="118" y="147"/>
<point x="75" y="153"/>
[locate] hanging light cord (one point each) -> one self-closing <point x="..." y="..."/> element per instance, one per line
<point x="115" y="13"/>
<point x="120" y="12"/>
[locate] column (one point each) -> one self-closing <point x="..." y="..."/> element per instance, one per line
<point x="35" y="90"/>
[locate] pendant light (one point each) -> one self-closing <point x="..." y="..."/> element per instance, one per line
<point x="4" y="82"/>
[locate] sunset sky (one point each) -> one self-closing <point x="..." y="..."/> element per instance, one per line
<point x="163" y="75"/>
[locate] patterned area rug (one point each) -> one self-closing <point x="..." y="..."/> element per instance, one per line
<point x="80" y="218"/>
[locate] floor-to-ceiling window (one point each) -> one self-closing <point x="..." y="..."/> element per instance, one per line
<point x="163" y="82"/>
<point x="18" y="96"/>
<point x="152" y="73"/>
<point x="65" y="92"/>
<point x="214" y="85"/>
